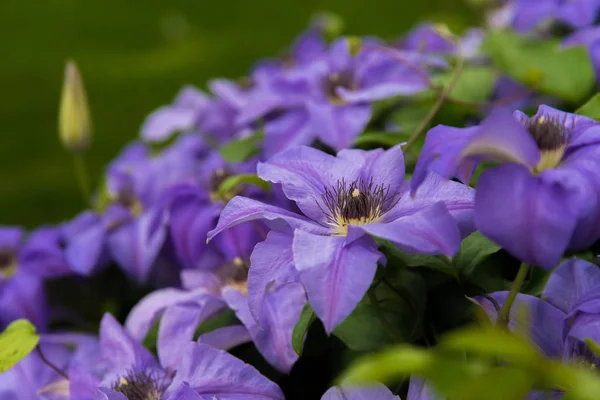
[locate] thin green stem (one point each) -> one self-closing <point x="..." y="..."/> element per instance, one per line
<point x="82" y="177"/>
<point x="443" y="95"/>
<point x="379" y="314"/>
<point x="504" y="314"/>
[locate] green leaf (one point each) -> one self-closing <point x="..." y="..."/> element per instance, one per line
<point x="591" y="108"/>
<point x="394" y="363"/>
<point x="230" y="184"/>
<point x="592" y="346"/>
<point x="221" y="320"/>
<point x="387" y="139"/>
<point x="16" y="342"/>
<point x="492" y="342"/>
<point x="475" y="83"/>
<point x="500" y="383"/>
<point x="543" y="64"/>
<point x="473" y="250"/>
<point x="307" y="317"/>
<point x="242" y="149"/>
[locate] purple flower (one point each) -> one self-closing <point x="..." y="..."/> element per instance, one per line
<point x="427" y="38"/>
<point x="567" y="314"/>
<point x="202" y="372"/>
<point x="330" y="98"/>
<point x="544" y="196"/>
<point x="208" y="292"/>
<point x="375" y="392"/>
<point x="343" y="200"/>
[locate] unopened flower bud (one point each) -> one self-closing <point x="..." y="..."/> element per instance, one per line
<point x="74" y="125"/>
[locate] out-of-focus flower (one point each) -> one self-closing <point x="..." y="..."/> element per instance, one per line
<point x="374" y="392"/>
<point x="343" y="200"/>
<point x="75" y="125"/>
<point x="546" y="180"/>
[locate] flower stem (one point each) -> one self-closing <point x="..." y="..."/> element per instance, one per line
<point x="379" y="314"/>
<point x="504" y="314"/>
<point x="49" y="364"/>
<point x="82" y="177"/>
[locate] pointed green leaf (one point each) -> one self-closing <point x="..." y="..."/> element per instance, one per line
<point x="473" y="250"/>
<point x="16" y="342"/>
<point x="387" y="139"/>
<point x="242" y="149"/>
<point x="307" y="317"/>
<point x="230" y="184"/>
<point x="591" y="108"/>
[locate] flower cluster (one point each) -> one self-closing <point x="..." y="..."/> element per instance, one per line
<point x="243" y="216"/>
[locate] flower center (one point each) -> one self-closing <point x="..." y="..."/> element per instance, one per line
<point x="8" y="263"/>
<point x="235" y="274"/>
<point x="140" y="386"/>
<point x="338" y="80"/>
<point x="551" y="138"/>
<point x="356" y="204"/>
<point x="127" y="198"/>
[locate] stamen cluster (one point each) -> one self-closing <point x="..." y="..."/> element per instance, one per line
<point x="136" y="385"/>
<point x="359" y="203"/>
<point x="548" y="132"/>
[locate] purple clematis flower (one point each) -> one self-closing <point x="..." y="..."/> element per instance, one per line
<point x="377" y="391"/>
<point x="546" y="181"/>
<point x="343" y="200"/>
<point x="131" y="370"/>
<point x="208" y="292"/>
<point x="330" y="98"/>
<point x="567" y="314"/>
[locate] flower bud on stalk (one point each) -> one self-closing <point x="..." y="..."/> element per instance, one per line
<point x="74" y="126"/>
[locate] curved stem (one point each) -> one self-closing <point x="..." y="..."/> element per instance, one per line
<point x="443" y="95"/>
<point x="504" y="314"/>
<point x="49" y="364"/>
<point x="379" y="314"/>
<point x="82" y="177"/>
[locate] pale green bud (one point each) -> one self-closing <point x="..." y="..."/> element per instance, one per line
<point x="74" y="121"/>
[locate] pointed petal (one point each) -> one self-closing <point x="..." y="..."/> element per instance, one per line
<point x="418" y="389"/>
<point x="178" y="326"/>
<point x="271" y="261"/>
<point x="335" y="274"/>
<point x="429" y="231"/>
<point x="84" y="251"/>
<point x="569" y="282"/>
<point x="120" y="351"/>
<point x="305" y="173"/>
<point x="213" y="372"/>
<point x="226" y="338"/>
<point x="184" y="392"/>
<point x="543" y="321"/>
<point x="104" y="393"/>
<point x="241" y="209"/>
<point x="527" y="215"/>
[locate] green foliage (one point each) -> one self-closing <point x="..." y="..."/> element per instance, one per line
<point x="242" y="149"/>
<point x="387" y="139"/>
<point x="16" y="342"/>
<point x="475" y="83"/>
<point x="591" y="108"/>
<point x="231" y="184"/>
<point x="566" y="73"/>
<point x="307" y="317"/>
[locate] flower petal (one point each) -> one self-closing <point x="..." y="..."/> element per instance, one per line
<point x="429" y="231"/>
<point x="338" y="126"/>
<point x="213" y="372"/>
<point x="241" y="209"/>
<point x="418" y="389"/>
<point x="335" y="274"/>
<point x="227" y="337"/>
<point x="271" y="261"/>
<point x="569" y="282"/>
<point x="290" y="130"/>
<point x="530" y="216"/>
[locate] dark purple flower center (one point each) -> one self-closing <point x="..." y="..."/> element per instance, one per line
<point x="548" y="132"/>
<point x="8" y="263"/>
<point x="140" y="386"/>
<point x="359" y="203"/>
<point x="235" y="273"/>
<point x="332" y="82"/>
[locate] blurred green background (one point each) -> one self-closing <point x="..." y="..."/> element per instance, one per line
<point x="134" y="56"/>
